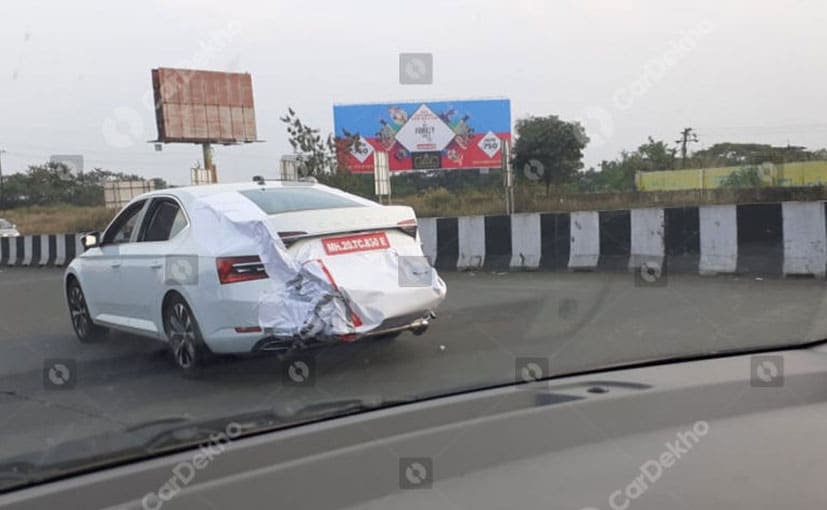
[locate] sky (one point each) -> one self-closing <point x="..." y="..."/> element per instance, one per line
<point x="74" y="76"/>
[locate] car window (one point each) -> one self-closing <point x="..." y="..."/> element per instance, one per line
<point x="166" y="220"/>
<point x="5" y="224"/>
<point x="124" y="225"/>
<point x="278" y="200"/>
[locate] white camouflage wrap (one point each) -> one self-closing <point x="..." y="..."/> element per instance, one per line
<point x="313" y="295"/>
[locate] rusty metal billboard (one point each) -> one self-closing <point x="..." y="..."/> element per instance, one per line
<point x="203" y="106"/>
<point x="117" y="194"/>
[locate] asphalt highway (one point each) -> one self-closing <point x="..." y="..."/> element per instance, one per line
<point x="53" y="388"/>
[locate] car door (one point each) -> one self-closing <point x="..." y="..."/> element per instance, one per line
<point x="145" y="262"/>
<point x="101" y="266"/>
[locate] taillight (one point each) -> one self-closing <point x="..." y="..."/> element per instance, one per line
<point x="408" y="226"/>
<point x="288" y="238"/>
<point x="239" y="269"/>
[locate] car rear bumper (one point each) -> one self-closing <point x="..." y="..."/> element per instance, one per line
<point x="227" y="341"/>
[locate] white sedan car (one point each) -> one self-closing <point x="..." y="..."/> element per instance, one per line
<point x="7" y="229"/>
<point x="155" y="273"/>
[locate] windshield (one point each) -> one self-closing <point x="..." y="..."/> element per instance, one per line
<point x="291" y="199"/>
<point x="543" y="189"/>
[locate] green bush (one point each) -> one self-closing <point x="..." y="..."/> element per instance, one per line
<point x="746" y="177"/>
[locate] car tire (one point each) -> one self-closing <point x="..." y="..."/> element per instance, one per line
<point x="189" y="352"/>
<point x="86" y="330"/>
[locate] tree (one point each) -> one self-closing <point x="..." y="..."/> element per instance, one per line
<point x="54" y="183"/>
<point x="549" y="148"/>
<point x="656" y="156"/>
<point x="735" y="154"/>
<point x="619" y="174"/>
<point x="746" y="177"/>
<point x="159" y="183"/>
<point x="316" y="156"/>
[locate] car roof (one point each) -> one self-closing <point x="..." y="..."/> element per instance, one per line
<point x="189" y="193"/>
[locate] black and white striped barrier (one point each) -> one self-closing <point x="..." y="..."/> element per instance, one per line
<point x="789" y="238"/>
<point x="40" y="250"/>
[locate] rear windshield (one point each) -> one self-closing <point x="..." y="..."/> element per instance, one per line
<point x="5" y="224"/>
<point x="277" y="200"/>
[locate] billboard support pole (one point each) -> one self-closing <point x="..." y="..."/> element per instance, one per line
<point x="208" y="164"/>
<point x="381" y="176"/>
<point x="509" y="177"/>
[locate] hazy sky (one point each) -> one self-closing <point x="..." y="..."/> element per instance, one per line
<point x="74" y="74"/>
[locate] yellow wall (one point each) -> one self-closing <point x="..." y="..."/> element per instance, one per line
<point x="805" y="173"/>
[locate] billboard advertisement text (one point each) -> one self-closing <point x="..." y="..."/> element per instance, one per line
<point x="426" y="135"/>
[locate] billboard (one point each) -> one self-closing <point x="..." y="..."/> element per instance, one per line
<point x="117" y="194"/>
<point x="426" y="135"/>
<point x="203" y="106"/>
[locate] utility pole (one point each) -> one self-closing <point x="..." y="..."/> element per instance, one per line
<point x="2" y="198"/>
<point x="688" y="135"/>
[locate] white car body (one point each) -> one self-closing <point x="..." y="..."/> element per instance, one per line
<point x="125" y="284"/>
<point x="7" y="229"/>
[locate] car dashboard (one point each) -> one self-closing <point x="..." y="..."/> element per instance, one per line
<point x="701" y="433"/>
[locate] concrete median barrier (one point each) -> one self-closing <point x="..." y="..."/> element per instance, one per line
<point x="788" y="238"/>
<point x="719" y="239"/>
<point x="427" y="236"/>
<point x="556" y="242"/>
<point x="471" y="232"/>
<point x="526" y="247"/>
<point x="585" y="240"/>
<point x="805" y="238"/>
<point x="40" y="250"/>
<point x="647" y="242"/>
<point x="682" y="239"/>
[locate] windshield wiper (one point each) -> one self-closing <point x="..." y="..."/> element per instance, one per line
<point x="191" y="432"/>
<point x="341" y="407"/>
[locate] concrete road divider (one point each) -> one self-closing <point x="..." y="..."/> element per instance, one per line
<point x="682" y="239"/>
<point x="471" y="232"/>
<point x="497" y="239"/>
<point x="719" y="239"/>
<point x="647" y="244"/>
<point x="760" y="239"/>
<point x="805" y="238"/>
<point x="787" y="238"/>
<point x="556" y="242"/>
<point x="427" y="236"/>
<point x="447" y="244"/>
<point x="585" y="240"/>
<point x="615" y="240"/>
<point x="526" y="246"/>
<point x="40" y="250"/>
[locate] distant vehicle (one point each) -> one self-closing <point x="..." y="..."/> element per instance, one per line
<point x="7" y="229"/>
<point x="122" y="281"/>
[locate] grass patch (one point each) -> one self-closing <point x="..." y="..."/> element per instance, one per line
<point x="58" y="219"/>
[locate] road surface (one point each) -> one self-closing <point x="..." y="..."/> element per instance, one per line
<point x="486" y="329"/>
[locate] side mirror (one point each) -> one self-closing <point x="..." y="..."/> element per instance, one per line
<point x="91" y="240"/>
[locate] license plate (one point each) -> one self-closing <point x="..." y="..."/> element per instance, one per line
<point x="353" y="243"/>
